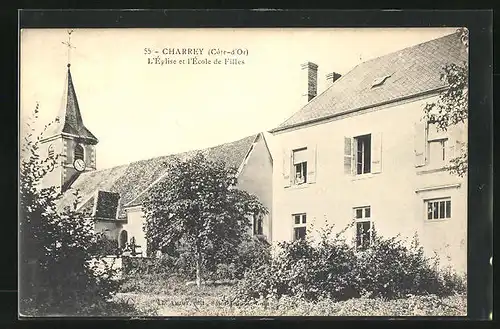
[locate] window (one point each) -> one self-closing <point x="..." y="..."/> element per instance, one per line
<point x="300" y="166"/>
<point x="123" y="239"/>
<point x="437" y="152"/>
<point x="364" y="225"/>
<point x="51" y="151"/>
<point x="363" y="154"/>
<point x="438" y="209"/>
<point x="257" y="225"/>
<point x="299" y="226"/>
<point x="78" y="152"/>
<point x="380" y="81"/>
<point x="438" y="146"/>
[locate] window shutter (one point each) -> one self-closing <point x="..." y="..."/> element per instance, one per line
<point x="311" y="164"/>
<point x="457" y="140"/>
<point x="420" y="141"/>
<point x="376" y="153"/>
<point x="287" y="164"/>
<point x="348" y="155"/>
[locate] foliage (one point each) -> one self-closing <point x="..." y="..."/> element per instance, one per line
<point x="61" y="259"/>
<point x="391" y="269"/>
<point x="451" y="108"/>
<point x="305" y="269"/>
<point x="199" y="209"/>
<point x="252" y="252"/>
<point x="334" y="269"/>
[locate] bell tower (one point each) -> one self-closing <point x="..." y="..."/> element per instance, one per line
<point x="68" y="140"/>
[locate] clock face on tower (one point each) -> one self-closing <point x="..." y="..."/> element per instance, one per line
<point x="79" y="165"/>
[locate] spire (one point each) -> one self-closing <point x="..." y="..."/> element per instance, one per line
<point x="69" y="120"/>
<point x="73" y="122"/>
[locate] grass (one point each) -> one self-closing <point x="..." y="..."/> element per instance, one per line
<point x="118" y="307"/>
<point x="157" y="296"/>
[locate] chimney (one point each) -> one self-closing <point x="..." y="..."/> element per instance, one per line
<point x="332" y="77"/>
<point x="310" y="70"/>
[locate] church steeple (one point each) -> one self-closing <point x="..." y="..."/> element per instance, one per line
<point x="70" y="120"/>
<point x="69" y="138"/>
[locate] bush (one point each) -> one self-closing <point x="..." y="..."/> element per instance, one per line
<point x="304" y="270"/>
<point x="253" y="252"/>
<point x="389" y="269"/>
<point x="334" y="269"/>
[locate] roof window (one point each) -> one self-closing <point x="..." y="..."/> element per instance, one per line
<point x="380" y="81"/>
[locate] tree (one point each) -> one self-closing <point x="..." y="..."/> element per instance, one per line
<point x="59" y="253"/>
<point x="199" y="208"/>
<point x="451" y="108"/>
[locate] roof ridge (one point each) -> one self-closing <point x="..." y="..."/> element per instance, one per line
<point x="407" y="48"/>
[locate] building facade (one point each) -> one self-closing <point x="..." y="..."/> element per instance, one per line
<point x="361" y="155"/>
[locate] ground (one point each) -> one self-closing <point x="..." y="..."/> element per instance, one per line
<point x="156" y="296"/>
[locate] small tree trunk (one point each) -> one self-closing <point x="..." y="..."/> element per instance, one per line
<point x="198" y="270"/>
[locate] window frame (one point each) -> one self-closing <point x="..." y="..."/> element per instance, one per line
<point x="121" y="244"/>
<point x="438" y="201"/>
<point x="362" y="219"/>
<point x="302" y="165"/>
<point x="75" y="153"/>
<point x="302" y="224"/>
<point x="444" y="149"/>
<point x="366" y="149"/>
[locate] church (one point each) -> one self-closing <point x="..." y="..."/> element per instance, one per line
<point x="113" y="197"/>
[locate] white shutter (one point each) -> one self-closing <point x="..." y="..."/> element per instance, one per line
<point x="420" y="142"/>
<point x="457" y="138"/>
<point x="287" y="163"/>
<point x="311" y="164"/>
<point x="348" y="155"/>
<point x="376" y="165"/>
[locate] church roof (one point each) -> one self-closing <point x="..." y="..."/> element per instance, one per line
<point x="405" y="73"/>
<point x="69" y="120"/>
<point x="131" y="180"/>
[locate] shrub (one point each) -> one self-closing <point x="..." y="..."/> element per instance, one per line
<point x="253" y="252"/>
<point x="392" y="269"/>
<point x="389" y="269"/>
<point x="334" y="269"/>
<point x="304" y="270"/>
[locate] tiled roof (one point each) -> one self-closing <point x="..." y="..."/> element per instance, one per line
<point x="132" y="179"/>
<point x="70" y="118"/>
<point x="407" y="72"/>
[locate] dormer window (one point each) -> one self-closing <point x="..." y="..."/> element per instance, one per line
<point x="50" y="151"/>
<point x="79" y="152"/>
<point x="380" y="81"/>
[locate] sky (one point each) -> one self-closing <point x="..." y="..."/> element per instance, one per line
<point x="139" y="110"/>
